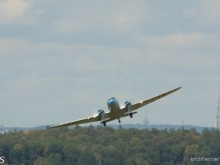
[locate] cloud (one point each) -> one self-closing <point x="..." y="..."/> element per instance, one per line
<point x="181" y="40"/>
<point x="44" y="78"/>
<point x="14" y="12"/>
<point x="99" y="16"/>
<point x="207" y="14"/>
<point x="76" y="55"/>
<point x="4" y="45"/>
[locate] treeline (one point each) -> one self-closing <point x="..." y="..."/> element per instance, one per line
<point x="107" y="146"/>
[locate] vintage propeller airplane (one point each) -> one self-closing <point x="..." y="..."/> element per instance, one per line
<point x="115" y="111"/>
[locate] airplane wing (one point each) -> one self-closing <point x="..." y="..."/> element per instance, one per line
<point x="81" y="121"/>
<point x="148" y="101"/>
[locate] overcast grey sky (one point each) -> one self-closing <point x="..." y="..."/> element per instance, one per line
<point x="61" y="60"/>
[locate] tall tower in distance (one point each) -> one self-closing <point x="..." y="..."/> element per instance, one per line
<point x="146" y="121"/>
<point x="218" y="114"/>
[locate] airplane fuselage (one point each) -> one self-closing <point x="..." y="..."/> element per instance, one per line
<point x="113" y="104"/>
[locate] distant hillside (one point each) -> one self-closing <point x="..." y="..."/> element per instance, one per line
<point x="126" y="126"/>
<point x="160" y="127"/>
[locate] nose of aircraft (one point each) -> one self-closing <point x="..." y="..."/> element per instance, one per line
<point x="111" y="101"/>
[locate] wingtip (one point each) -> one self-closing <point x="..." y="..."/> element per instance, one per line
<point x="54" y="126"/>
<point x="176" y="89"/>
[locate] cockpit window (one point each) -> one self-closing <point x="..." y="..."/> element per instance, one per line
<point x="111" y="98"/>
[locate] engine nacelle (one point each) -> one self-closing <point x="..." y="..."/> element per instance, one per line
<point x="101" y="113"/>
<point x="127" y="105"/>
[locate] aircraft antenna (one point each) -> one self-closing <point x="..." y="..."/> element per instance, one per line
<point x="218" y="114"/>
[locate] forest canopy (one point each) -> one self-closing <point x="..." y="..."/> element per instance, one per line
<point x="106" y="146"/>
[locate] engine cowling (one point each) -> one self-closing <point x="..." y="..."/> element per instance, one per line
<point x="128" y="107"/>
<point x="101" y="113"/>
